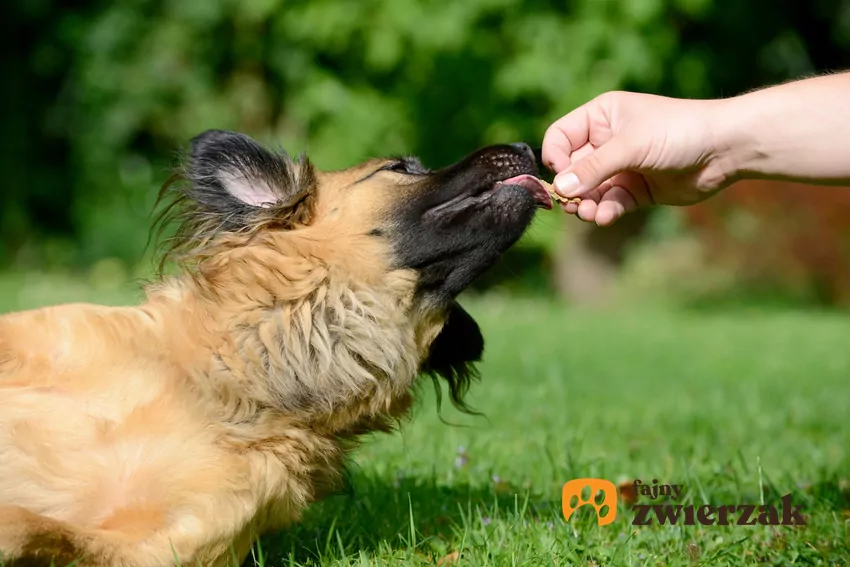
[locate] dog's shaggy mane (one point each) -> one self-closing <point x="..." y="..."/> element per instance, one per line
<point x="195" y="201"/>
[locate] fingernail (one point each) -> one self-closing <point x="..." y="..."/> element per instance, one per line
<point x="566" y="185"/>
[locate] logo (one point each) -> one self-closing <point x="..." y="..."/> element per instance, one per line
<point x="671" y="512"/>
<point x="572" y="500"/>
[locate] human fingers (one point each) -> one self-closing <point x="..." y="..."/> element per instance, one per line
<point x="586" y="209"/>
<point x="636" y="185"/>
<point x="615" y="203"/>
<point x="571" y="207"/>
<point x="582" y="152"/>
<point x="564" y="136"/>
<point x="583" y="175"/>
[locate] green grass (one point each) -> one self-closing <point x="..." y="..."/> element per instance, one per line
<point x="737" y="406"/>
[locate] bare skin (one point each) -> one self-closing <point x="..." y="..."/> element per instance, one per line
<point x="623" y="150"/>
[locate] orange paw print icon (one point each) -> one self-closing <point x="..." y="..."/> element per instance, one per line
<point x="606" y="510"/>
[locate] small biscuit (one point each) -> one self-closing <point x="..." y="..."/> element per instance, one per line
<point x="557" y="197"/>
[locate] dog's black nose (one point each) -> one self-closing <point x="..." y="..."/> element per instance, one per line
<point x="524" y="148"/>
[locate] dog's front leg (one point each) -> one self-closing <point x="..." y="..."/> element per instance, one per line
<point x="28" y="539"/>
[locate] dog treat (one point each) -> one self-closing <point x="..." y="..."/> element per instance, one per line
<point x="556" y="196"/>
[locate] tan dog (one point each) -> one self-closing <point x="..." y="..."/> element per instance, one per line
<point x="306" y="306"/>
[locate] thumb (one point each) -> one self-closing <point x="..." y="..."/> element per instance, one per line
<point x="586" y="174"/>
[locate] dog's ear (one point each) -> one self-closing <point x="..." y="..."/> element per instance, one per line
<point x="235" y="178"/>
<point x="230" y="183"/>
<point x="454" y="354"/>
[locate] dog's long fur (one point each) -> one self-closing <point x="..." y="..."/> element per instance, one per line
<point x="218" y="409"/>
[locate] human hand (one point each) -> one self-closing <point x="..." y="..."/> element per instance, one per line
<point x="621" y="151"/>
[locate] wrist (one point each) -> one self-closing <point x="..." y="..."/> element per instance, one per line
<point x="736" y="149"/>
<point x="794" y="131"/>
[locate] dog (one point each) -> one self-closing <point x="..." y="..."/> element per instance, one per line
<point x="305" y="307"/>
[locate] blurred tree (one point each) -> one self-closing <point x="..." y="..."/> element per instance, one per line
<point x="126" y="83"/>
<point x="38" y="181"/>
<point x="102" y="94"/>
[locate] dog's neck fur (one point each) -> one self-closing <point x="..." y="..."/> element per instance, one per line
<point x="291" y="335"/>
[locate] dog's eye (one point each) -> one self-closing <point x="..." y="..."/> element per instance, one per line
<point x="408" y="166"/>
<point x="398" y="167"/>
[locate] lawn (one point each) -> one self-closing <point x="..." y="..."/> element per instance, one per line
<point x="739" y="407"/>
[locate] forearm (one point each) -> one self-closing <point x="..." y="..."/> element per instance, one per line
<point x="796" y="131"/>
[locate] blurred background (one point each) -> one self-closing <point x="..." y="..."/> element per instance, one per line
<point x="98" y="97"/>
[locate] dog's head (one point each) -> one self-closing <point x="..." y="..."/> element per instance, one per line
<point x="436" y="231"/>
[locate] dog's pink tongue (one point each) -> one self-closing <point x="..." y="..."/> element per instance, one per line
<point x="533" y="186"/>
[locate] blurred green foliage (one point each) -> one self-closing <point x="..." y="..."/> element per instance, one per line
<point x="99" y="96"/>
